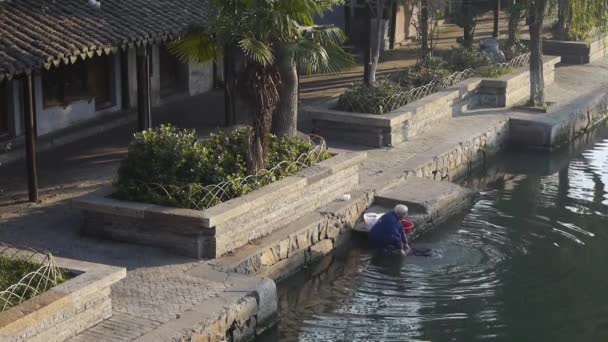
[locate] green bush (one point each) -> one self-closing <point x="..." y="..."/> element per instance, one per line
<point x="460" y="59"/>
<point x="492" y="71"/>
<point x="420" y="76"/>
<point x="382" y="97"/>
<point x="171" y="166"/>
<point x="512" y="50"/>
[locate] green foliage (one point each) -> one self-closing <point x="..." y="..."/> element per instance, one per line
<point x="512" y="50"/>
<point x="583" y="19"/>
<point x="171" y="166"/>
<point x="460" y="59"/>
<point x="379" y="98"/>
<point x="261" y="28"/>
<point x="13" y="270"/>
<point x="420" y="76"/>
<point x="492" y="71"/>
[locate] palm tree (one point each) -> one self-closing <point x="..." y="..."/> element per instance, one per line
<point x="276" y="38"/>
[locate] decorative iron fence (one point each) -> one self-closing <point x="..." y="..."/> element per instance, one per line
<point x="45" y="275"/>
<point x="384" y="104"/>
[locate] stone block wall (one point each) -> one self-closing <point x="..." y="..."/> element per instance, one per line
<point x="65" y="310"/>
<point x="438" y="107"/>
<point x="394" y="128"/>
<point x="513" y="88"/>
<point x="576" y="52"/>
<point x="463" y="159"/>
<point x="301" y="243"/>
<point x="288" y="207"/>
<point x="225" y="227"/>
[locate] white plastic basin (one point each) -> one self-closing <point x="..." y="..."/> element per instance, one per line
<point x="371" y="219"/>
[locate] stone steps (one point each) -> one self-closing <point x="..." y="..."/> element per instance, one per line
<point x="431" y="202"/>
<point x="300" y="243"/>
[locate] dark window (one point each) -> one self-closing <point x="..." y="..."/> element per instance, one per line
<point x="3" y="108"/>
<point x="80" y="81"/>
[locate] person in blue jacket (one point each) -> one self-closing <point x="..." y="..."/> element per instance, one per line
<point x="388" y="235"/>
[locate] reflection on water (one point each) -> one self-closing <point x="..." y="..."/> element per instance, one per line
<point x="527" y="263"/>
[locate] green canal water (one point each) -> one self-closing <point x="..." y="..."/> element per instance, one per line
<point x="529" y="262"/>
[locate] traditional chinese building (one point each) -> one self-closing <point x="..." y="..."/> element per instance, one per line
<point x="66" y="62"/>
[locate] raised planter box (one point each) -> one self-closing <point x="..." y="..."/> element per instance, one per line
<point x="577" y="52"/>
<point x="66" y="309"/>
<point x="392" y="128"/>
<point x="408" y="121"/>
<point x="513" y="88"/>
<point x="218" y="230"/>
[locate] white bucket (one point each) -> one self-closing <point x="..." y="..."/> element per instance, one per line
<point x="371" y="219"/>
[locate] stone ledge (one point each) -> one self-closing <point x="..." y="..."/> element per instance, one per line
<point x="297" y="244"/>
<point x="414" y="118"/>
<point x="576" y="52"/>
<point x="40" y="318"/>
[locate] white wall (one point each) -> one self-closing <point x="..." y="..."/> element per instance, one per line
<point x="54" y="118"/>
<point x="200" y="78"/>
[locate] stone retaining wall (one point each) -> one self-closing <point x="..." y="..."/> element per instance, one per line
<point x="225" y="227"/>
<point x="65" y="310"/>
<point x="551" y="132"/>
<point x="299" y="244"/>
<point x="513" y="88"/>
<point x="577" y="52"/>
<point x="393" y="128"/>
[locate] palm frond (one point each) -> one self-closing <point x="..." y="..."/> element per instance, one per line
<point x="256" y="49"/>
<point x="197" y="46"/>
<point x="326" y="35"/>
<point x="312" y="57"/>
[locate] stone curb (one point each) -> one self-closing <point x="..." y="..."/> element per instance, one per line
<point x="64" y="310"/>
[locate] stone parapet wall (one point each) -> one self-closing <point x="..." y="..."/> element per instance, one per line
<point x="550" y="132"/>
<point x="225" y="227"/>
<point x="65" y="310"/>
<point x="577" y="52"/>
<point x="512" y="89"/>
<point x="300" y="243"/>
<point x="394" y="128"/>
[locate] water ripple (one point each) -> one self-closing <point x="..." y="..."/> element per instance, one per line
<point x="525" y="264"/>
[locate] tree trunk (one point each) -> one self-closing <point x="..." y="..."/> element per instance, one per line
<point x="378" y="43"/>
<point x="367" y="51"/>
<point x="285" y="121"/>
<point x="468" y="24"/>
<point x="424" y="33"/>
<point x="231" y="65"/>
<point x="228" y="90"/>
<point x="561" y="15"/>
<point x="514" y="18"/>
<point x="496" y="18"/>
<point x="537" y="82"/>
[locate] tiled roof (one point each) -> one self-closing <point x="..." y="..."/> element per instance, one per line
<point x="36" y="34"/>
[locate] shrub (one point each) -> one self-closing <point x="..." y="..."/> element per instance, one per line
<point x="421" y="76"/>
<point x="171" y="166"/>
<point x="382" y="97"/>
<point x="492" y="71"/>
<point x="512" y="50"/>
<point x="460" y="59"/>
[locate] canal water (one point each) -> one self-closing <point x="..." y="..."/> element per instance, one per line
<point x="529" y="262"/>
